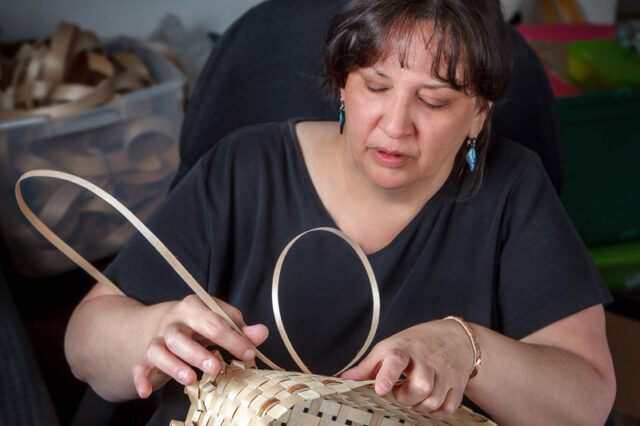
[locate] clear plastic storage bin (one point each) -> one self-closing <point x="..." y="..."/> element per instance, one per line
<point x="129" y="148"/>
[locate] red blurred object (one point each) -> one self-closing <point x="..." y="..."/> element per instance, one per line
<point x="559" y="87"/>
<point x="565" y="34"/>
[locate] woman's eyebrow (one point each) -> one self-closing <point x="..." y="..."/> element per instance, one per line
<point x="431" y="86"/>
<point x="434" y="86"/>
<point x="380" y="73"/>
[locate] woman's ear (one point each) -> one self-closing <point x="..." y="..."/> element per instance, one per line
<point x="477" y="123"/>
<point x="342" y="93"/>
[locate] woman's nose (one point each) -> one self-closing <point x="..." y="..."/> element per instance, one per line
<point x="396" y="122"/>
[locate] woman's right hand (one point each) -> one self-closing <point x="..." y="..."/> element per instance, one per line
<point x="180" y="342"/>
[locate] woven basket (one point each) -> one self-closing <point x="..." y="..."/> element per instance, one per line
<point x="241" y="394"/>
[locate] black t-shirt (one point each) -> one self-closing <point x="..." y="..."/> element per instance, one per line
<point x="507" y="258"/>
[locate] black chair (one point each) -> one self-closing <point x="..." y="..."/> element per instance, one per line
<point x="268" y="67"/>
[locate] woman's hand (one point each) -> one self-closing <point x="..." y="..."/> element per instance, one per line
<point x="180" y="342"/>
<point x="436" y="357"/>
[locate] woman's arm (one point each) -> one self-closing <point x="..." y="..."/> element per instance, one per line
<point x="124" y="349"/>
<point x="561" y="374"/>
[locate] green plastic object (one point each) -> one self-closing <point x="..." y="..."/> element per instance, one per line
<point x="601" y="143"/>
<point x="619" y="264"/>
<point x="600" y="65"/>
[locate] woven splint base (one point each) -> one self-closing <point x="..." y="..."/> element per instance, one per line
<point x="242" y="395"/>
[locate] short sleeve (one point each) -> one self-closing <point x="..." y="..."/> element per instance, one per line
<point x="545" y="272"/>
<point x="183" y="223"/>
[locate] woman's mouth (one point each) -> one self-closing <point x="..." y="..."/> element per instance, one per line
<point x="389" y="158"/>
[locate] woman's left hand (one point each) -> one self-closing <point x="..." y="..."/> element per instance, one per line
<point x="436" y="357"/>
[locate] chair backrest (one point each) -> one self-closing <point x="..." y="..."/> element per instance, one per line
<point x="268" y="67"/>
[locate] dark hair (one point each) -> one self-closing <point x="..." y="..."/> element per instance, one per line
<point x="470" y="34"/>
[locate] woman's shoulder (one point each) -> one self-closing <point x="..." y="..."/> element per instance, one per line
<point x="250" y="144"/>
<point x="509" y="162"/>
<point x="295" y="142"/>
<point x="506" y="154"/>
<point x="510" y="168"/>
<point x="265" y="152"/>
<point x="314" y="139"/>
<point x="257" y="134"/>
<point x="308" y="130"/>
<point x="264" y="135"/>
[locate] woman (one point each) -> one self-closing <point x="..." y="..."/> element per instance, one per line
<point x="452" y="223"/>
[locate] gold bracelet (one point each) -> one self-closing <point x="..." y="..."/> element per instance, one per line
<point x="477" y="357"/>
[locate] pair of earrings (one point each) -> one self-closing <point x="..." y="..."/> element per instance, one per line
<point x="471" y="142"/>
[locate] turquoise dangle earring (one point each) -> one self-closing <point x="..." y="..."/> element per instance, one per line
<point x="471" y="154"/>
<point x="341" y="116"/>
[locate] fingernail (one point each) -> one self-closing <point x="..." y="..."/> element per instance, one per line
<point x="207" y="365"/>
<point x="385" y="385"/>
<point x="183" y="376"/>
<point x="247" y="355"/>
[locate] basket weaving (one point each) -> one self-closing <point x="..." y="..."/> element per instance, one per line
<point x="241" y="394"/>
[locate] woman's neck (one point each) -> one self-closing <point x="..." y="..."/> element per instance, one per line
<point x="359" y="186"/>
<point x="372" y="215"/>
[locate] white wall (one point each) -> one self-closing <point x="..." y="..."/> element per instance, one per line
<point x="23" y="19"/>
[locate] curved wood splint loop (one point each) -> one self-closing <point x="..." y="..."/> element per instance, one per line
<point x="374" y="291"/>
<point x="179" y="268"/>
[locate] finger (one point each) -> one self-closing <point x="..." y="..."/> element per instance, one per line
<point x="367" y="369"/>
<point x="193" y="306"/>
<point x="142" y="379"/>
<point x="393" y="365"/>
<point x="256" y="333"/>
<point x="436" y="398"/>
<point x="215" y="328"/>
<point x="179" y="340"/>
<point x="451" y="403"/>
<point x="146" y="378"/>
<point x="219" y="332"/>
<point x="417" y="388"/>
<point x="234" y="313"/>
<point x="170" y="364"/>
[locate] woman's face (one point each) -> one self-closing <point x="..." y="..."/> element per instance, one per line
<point x="403" y="126"/>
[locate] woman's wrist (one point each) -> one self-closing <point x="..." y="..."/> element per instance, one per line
<point x="477" y="354"/>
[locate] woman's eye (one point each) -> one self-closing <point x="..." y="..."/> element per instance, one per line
<point x="432" y="105"/>
<point x="375" y="89"/>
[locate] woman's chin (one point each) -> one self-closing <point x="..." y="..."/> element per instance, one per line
<point x="390" y="180"/>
